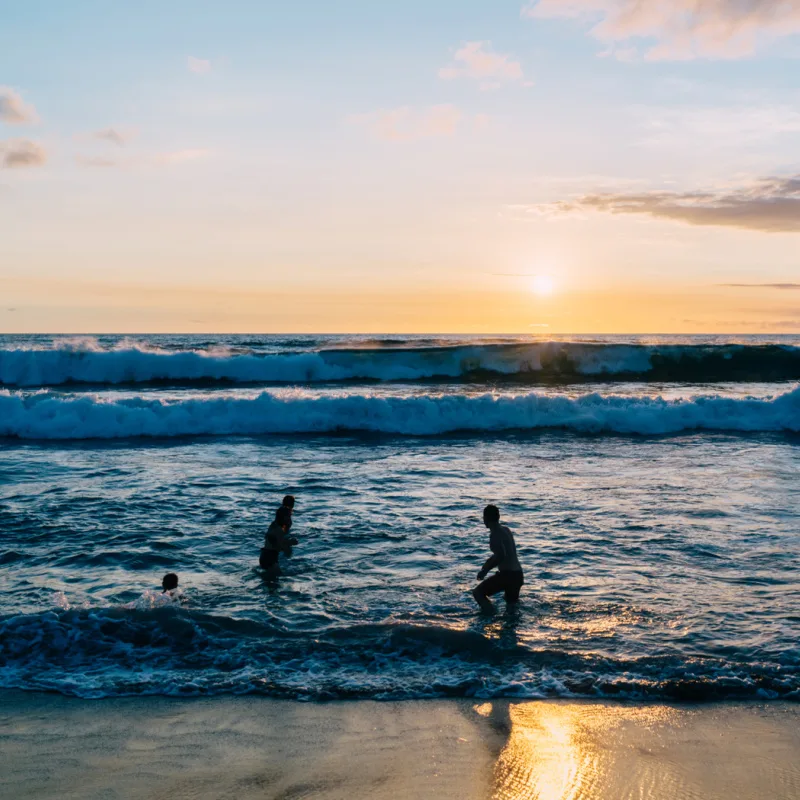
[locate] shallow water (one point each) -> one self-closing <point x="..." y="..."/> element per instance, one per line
<point x="656" y="565"/>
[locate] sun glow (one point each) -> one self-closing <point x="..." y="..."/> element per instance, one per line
<point x="543" y="285"/>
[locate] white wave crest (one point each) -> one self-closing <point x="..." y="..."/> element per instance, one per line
<point x="84" y="361"/>
<point x="50" y="416"/>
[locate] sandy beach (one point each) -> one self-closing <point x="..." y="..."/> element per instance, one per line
<point x="248" y="747"/>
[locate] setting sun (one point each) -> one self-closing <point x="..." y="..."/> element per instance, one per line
<point x="543" y="285"/>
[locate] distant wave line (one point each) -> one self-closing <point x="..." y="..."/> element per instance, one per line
<point x="548" y="361"/>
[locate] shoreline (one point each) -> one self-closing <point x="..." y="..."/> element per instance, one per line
<point x="249" y="746"/>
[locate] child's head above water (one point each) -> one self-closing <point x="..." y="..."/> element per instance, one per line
<point x="169" y="582"/>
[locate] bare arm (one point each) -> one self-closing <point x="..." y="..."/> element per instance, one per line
<point x="490" y="564"/>
<point x="498" y="554"/>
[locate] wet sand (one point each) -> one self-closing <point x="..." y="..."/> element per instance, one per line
<point x="251" y="747"/>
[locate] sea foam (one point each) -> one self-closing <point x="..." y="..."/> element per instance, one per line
<point x="86" y="362"/>
<point x="46" y="415"/>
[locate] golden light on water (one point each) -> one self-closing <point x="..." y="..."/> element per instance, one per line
<point x="563" y="751"/>
<point x="542" y="759"/>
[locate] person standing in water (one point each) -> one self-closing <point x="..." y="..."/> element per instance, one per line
<point x="288" y="503"/>
<point x="509" y="577"/>
<point x="277" y="541"/>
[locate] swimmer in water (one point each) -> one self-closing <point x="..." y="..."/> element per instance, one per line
<point x="169" y="588"/>
<point x="277" y="541"/>
<point x="509" y="577"/>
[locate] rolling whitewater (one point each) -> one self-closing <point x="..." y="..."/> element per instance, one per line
<point x="651" y="484"/>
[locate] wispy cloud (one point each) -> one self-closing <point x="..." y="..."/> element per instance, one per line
<point x="200" y="66"/>
<point x="725" y="126"/>
<point x="117" y="137"/>
<point x="96" y="161"/>
<point x="143" y="160"/>
<point x="783" y="286"/>
<point x="771" y="205"/>
<point x="20" y="153"/>
<point x="731" y="325"/>
<point x="482" y="121"/>
<point x="476" y="60"/>
<point x="681" y="29"/>
<point x="13" y="110"/>
<point x="408" y="124"/>
<point x="180" y="156"/>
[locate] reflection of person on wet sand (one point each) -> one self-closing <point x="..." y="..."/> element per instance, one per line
<point x="509" y="577"/>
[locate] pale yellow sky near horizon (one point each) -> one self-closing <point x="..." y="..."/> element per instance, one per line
<point x="105" y="308"/>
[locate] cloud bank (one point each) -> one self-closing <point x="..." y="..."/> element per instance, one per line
<point x="475" y="60"/>
<point x="21" y="153"/>
<point x="682" y="29"/>
<point x="13" y="110"/>
<point x="771" y="205"/>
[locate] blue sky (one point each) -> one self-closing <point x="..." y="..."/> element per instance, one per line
<point x="285" y="153"/>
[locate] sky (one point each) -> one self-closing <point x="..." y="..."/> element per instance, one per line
<point x="541" y="166"/>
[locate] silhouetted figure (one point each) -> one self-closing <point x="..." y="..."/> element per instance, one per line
<point x="170" y="590"/>
<point x="288" y="503"/>
<point x="508" y="578"/>
<point x="277" y="541"/>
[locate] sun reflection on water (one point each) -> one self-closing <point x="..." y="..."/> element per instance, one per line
<point x="560" y="751"/>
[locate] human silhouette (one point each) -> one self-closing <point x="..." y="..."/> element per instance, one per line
<point x="277" y="541"/>
<point x="509" y="577"/>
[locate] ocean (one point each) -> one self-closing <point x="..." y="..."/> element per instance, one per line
<point x="652" y="484"/>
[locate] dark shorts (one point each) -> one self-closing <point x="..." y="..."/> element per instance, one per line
<point x="268" y="558"/>
<point x="508" y="582"/>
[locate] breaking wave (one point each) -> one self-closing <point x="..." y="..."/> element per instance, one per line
<point x="168" y="651"/>
<point x="86" y="362"/>
<point x="46" y="415"/>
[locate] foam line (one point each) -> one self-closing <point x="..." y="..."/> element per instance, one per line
<point x="47" y="415"/>
<point x="88" y="363"/>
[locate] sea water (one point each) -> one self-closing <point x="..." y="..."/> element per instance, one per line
<point x="652" y="484"/>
